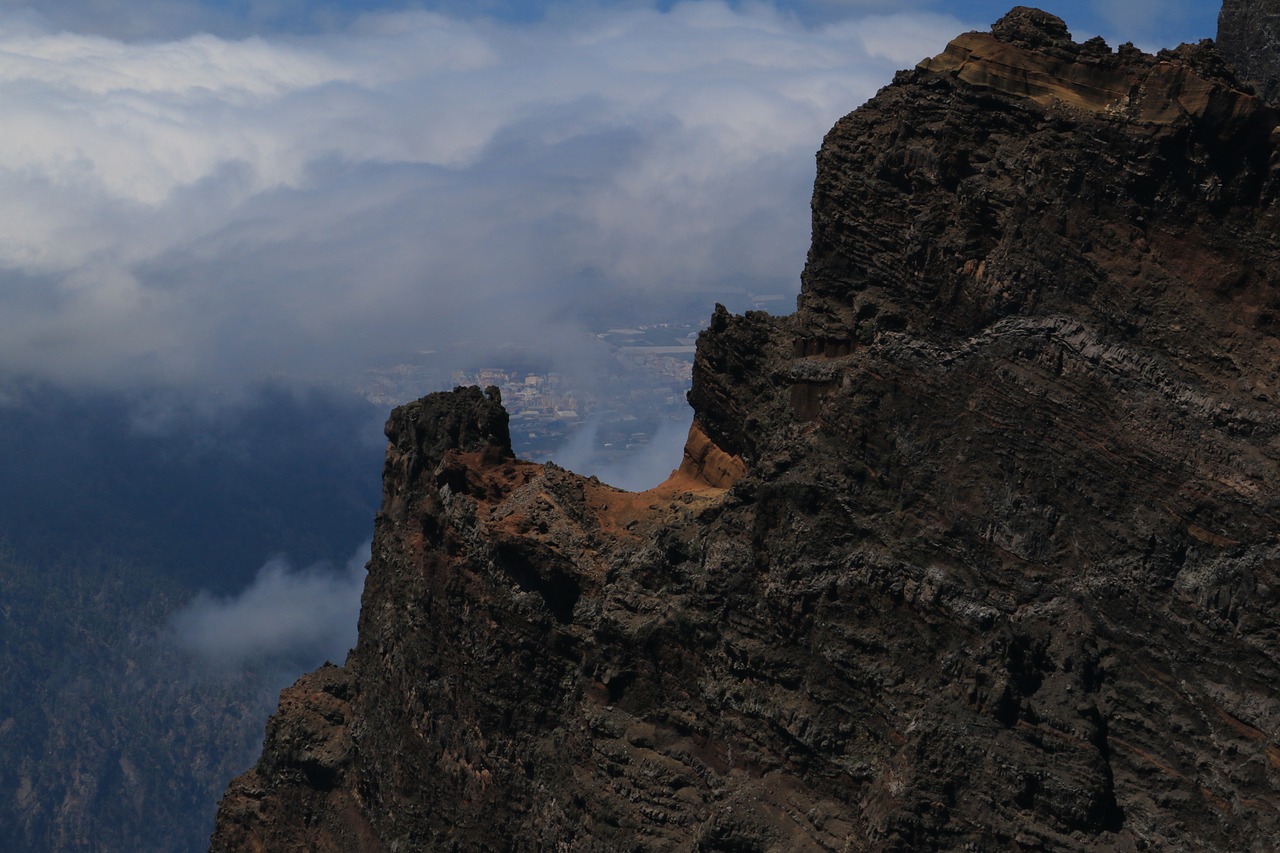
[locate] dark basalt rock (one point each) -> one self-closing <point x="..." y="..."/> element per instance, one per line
<point x="1249" y="38"/>
<point x="1033" y="29"/>
<point x="976" y="550"/>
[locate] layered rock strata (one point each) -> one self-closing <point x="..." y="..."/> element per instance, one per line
<point x="979" y="549"/>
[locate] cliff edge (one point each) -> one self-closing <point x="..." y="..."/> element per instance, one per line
<point x="1249" y="38"/>
<point x="979" y="549"/>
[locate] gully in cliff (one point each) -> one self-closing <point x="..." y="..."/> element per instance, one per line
<point x="976" y="550"/>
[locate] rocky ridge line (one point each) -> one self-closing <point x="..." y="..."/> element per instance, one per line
<point x="979" y="549"/>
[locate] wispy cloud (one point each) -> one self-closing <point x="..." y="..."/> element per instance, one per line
<point x="635" y="470"/>
<point x="287" y="615"/>
<point x="209" y="210"/>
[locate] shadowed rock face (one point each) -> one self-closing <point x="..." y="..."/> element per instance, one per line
<point x="979" y="548"/>
<point x="1249" y="38"/>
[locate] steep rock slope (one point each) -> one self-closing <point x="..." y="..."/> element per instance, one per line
<point x="1249" y="38"/>
<point x="976" y="550"/>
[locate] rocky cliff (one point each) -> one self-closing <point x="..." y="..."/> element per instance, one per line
<point x="1249" y="38"/>
<point x="979" y="549"/>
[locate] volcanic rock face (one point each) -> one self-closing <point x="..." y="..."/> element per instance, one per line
<point x="979" y="549"/>
<point x="1249" y="37"/>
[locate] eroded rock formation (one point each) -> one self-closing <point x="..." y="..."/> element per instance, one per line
<point x="979" y="549"/>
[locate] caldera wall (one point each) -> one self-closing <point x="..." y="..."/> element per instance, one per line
<point x="978" y="548"/>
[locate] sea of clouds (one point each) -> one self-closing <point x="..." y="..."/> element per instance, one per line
<point x="211" y="210"/>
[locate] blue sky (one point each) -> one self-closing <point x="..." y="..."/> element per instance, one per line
<point x="1162" y="22"/>
<point x="214" y="194"/>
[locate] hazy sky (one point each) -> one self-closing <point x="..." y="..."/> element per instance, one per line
<point x="197" y="194"/>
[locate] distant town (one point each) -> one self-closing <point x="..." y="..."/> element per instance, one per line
<point x="619" y="406"/>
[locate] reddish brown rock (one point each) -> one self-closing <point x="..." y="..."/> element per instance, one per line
<point x="980" y="549"/>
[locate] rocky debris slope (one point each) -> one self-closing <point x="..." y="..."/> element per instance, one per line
<point x="1249" y="38"/>
<point x="979" y="549"/>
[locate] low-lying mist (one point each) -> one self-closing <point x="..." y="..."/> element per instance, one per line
<point x="293" y="618"/>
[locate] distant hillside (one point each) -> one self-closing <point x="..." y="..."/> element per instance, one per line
<point x="114" y="512"/>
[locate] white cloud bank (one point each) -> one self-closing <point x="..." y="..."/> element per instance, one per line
<point x="213" y="211"/>
<point x="298" y="616"/>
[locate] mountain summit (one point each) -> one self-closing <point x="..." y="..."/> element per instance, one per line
<point x="978" y="549"/>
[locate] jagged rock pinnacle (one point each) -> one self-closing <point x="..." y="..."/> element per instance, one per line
<point x="1032" y="28"/>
